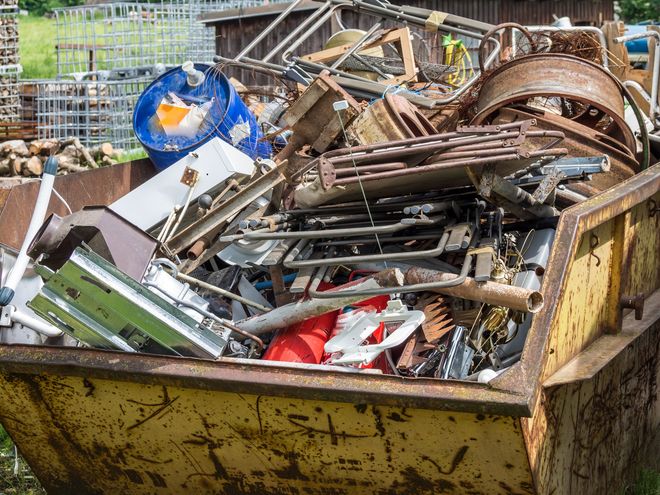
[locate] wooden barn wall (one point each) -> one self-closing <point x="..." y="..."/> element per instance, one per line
<point x="234" y="34"/>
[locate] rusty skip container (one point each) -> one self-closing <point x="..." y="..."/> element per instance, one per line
<point x="579" y="414"/>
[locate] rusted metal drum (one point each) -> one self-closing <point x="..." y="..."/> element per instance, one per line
<point x="560" y="76"/>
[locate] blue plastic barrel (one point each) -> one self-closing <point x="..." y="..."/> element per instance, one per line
<point x="229" y="118"/>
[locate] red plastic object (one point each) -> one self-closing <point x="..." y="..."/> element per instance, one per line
<point x="303" y="342"/>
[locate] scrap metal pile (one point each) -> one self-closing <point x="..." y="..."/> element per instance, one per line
<point x="395" y="215"/>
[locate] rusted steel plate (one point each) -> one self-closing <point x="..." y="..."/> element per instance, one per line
<point x="99" y="186"/>
<point x="89" y="435"/>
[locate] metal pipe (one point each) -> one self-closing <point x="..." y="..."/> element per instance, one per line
<point x="268" y="30"/>
<point x="221" y="292"/>
<point x="473" y="153"/>
<point x="449" y="19"/>
<point x="449" y="164"/>
<point x="320" y="234"/>
<point x="293" y="313"/>
<point x="456" y="281"/>
<point x="207" y="314"/>
<point x="655" y="79"/>
<point x="451" y="139"/>
<point x="412" y="19"/>
<point x="301" y="39"/>
<point x="372" y="240"/>
<point x="493" y="293"/>
<point x="290" y="262"/>
<point x="366" y="169"/>
<point x="293" y="34"/>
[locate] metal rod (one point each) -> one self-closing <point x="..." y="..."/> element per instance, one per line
<point x="655" y="79"/>
<point x="450" y="164"/>
<point x="268" y="30"/>
<point x="293" y="313"/>
<point x="293" y="34"/>
<point x="456" y="281"/>
<point x="366" y="169"/>
<point x="320" y="234"/>
<point x="290" y="262"/>
<point x="221" y="292"/>
<point x="493" y="293"/>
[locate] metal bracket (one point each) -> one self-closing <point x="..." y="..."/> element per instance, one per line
<point x="327" y="173"/>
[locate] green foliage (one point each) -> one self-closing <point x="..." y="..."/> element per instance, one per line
<point x="129" y="156"/>
<point x="40" y="7"/>
<point x="647" y="484"/>
<point x="37" y="47"/>
<point x="22" y="483"/>
<point x="634" y="11"/>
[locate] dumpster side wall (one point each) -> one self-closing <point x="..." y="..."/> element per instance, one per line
<point x="597" y="420"/>
<point x="112" y="436"/>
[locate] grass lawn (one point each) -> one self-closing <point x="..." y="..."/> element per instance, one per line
<point x="37" y="47"/>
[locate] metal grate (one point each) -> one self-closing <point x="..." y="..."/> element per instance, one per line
<point x="127" y="35"/>
<point x="95" y="111"/>
<point x="106" y="56"/>
<point x="10" y="100"/>
<point x="10" y="93"/>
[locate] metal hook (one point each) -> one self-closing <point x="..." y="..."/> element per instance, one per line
<point x="593" y="243"/>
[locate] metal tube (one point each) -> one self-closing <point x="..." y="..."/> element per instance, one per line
<point x="459" y="137"/>
<point x="293" y="34"/>
<point x="473" y="153"/>
<point x="290" y="314"/>
<point x="221" y="292"/>
<point x="320" y="234"/>
<point x="449" y="164"/>
<point x="656" y="65"/>
<point x="456" y="281"/>
<point x="370" y="258"/>
<point x="372" y="240"/>
<point x="449" y="19"/>
<point x="366" y="169"/>
<point x="493" y="293"/>
<point x="312" y="30"/>
<point x="413" y="19"/>
<point x="268" y="30"/>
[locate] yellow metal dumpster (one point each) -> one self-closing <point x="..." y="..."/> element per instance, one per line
<point x="579" y="414"/>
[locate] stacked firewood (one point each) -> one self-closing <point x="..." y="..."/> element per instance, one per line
<point x="27" y="159"/>
<point x="8" y="40"/>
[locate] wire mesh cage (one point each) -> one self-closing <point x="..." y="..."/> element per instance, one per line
<point x="122" y="35"/>
<point x="10" y="93"/>
<point x="95" y="111"/>
<point x="8" y="40"/>
<point x="126" y="44"/>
